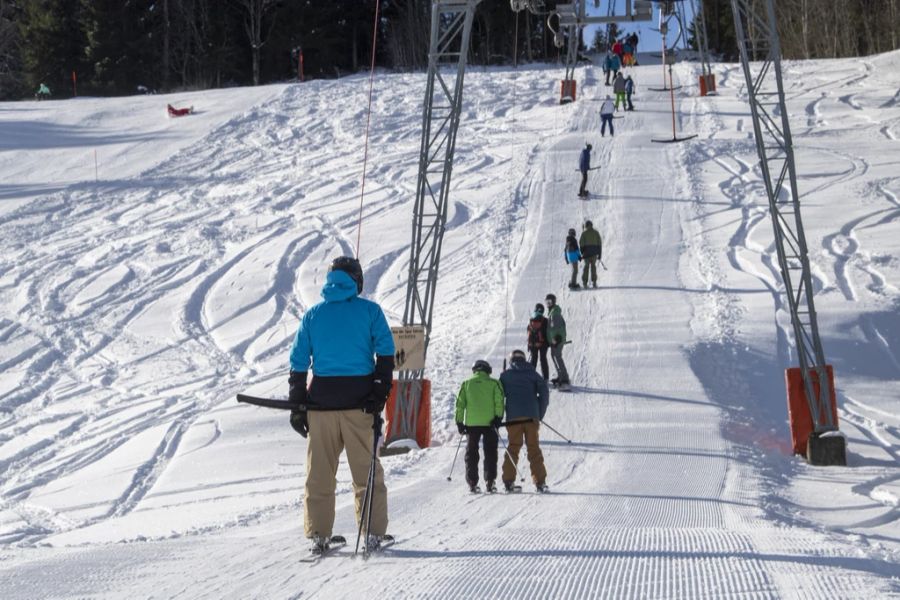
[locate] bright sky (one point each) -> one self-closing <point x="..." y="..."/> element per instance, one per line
<point x="649" y="39"/>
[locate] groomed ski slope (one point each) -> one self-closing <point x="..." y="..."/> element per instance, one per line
<point x="133" y="308"/>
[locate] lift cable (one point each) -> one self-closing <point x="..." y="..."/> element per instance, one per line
<point x="362" y="191"/>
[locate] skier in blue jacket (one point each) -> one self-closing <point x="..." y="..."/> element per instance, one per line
<point x="527" y="398"/>
<point x="347" y="342"/>
<point x="584" y="165"/>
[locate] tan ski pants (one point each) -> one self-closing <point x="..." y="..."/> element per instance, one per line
<point x="529" y="431"/>
<point x="330" y="432"/>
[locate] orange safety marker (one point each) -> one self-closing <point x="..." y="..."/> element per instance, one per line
<point x="798" y="408"/>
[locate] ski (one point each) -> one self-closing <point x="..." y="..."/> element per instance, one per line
<point x="334" y="544"/>
<point x="266" y="402"/>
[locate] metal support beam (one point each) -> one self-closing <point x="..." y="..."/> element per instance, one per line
<point x="700" y="37"/>
<point x="758" y="40"/>
<point x="451" y="30"/>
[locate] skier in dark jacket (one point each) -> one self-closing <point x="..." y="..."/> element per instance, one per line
<point x="538" y="342"/>
<point x="629" y="90"/>
<point x="591" y="251"/>
<point x="348" y="343"/>
<point x="527" y="398"/>
<point x="573" y="255"/>
<point x="584" y="165"/>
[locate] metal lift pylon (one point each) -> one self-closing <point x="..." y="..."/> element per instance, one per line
<point x="451" y="31"/>
<point x="757" y="37"/>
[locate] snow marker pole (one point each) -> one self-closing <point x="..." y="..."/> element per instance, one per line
<point x="458" y="446"/>
<point x="509" y="456"/>
<point x="556" y="432"/>
<point x="370" y="492"/>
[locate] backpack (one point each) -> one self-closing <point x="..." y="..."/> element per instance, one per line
<point x="536" y="333"/>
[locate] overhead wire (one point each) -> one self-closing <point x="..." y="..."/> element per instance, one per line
<point x="362" y="191"/>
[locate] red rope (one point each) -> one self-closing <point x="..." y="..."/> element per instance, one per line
<point x="362" y="191"/>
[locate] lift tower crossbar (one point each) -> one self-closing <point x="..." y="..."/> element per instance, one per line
<point x="758" y="40"/>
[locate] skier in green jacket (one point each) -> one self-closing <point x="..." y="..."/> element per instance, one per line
<point x="479" y="412"/>
<point x="556" y="331"/>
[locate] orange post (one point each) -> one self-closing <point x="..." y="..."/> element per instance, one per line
<point x="707" y="84"/>
<point x="798" y="408"/>
<point x="567" y="91"/>
<point x="423" y="420"/>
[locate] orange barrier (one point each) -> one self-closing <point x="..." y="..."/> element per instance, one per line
<point x="798" y="408"/>
<point x="394" y="428"/>
<point x="567" y="91"/>
<point x="707" y="84"/>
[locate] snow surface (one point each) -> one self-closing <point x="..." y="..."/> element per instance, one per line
<point x="137" y="299"/>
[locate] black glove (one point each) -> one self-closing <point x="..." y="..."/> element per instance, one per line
<point x="461" y="428"/>
<point x="373" y="404"/>
<point x="496" y="422"/>
<point x="299" y="422"/>
<point x="297" y="389"/>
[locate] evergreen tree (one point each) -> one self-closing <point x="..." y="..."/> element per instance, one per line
<point x="52" y="44"/>
<point x="121" y="49"/>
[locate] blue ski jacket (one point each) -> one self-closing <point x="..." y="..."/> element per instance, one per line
<point x="584" y="163"/>
<point x="340" y="337"/>
<point x="527" y="396"/>
<point x="629" y="85"/>
<point x="612" y="63"/>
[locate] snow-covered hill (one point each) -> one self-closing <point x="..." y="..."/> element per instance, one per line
<point x="137" y="299"/>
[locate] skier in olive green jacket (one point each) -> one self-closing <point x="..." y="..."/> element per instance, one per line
<point x="591" y="251"/>
<point x="479" y="412"/>
<point x="556" y="331"/>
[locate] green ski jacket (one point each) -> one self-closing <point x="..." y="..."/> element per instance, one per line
<point x="556" y="325"/>
<point x="480" y="399"/>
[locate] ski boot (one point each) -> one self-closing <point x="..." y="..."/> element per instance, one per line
<point x="490" y="487"/>
<point x="564" y="386"/>
<point x="374" y="543"/>
<point x="542" y="488"/>
<point x="574" y="286"/>
<point x="511" y="487"/>
<point x="320" y="545"/>
<point x="474" y="489"/>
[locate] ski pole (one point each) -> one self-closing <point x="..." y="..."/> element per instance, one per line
<point x="509" y="456"/>
<point x="458" y="446"/>
<point x="602" y="265"/>
<point x="556" y="432"/>
<point x="366" y="515"/>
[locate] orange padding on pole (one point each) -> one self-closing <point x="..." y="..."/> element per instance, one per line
<point x="567" y="91"/>
<point x="707" y="84"/>
<point x="423" y="422"/>
<point x="798" y="408"/>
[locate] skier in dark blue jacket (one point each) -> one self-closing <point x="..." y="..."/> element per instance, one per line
<point x="584" y="165"/>
<point x="347" y="342"/>
<point x="527" y="398"/>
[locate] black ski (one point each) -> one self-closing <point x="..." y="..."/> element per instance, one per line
<point x="266" y="402"/>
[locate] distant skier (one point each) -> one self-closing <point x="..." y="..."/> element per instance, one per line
<point x="527" y="398"/>
<point x="618" y="49"/>
<point x="629" y="90"/>
<point x="615" y="63"/>
<point x="607" y="67"/>
<point x="584" y="165"/>
<point x="556" y="329"/>
<point x="479" y="412"/>
<point x="349" y="343"/>
<point x="43" y="92"/>
<point x="591" y="251"/>
<point x="627" y="53"/>
<point x="619" y="90"/>
<point x="537" y="339"/>
<point x="606" y="116"/>
<point x="179" y="112"/>
<point x="633" y="39"/>
<point x="573" y="255"/>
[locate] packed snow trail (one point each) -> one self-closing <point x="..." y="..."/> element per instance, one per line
<point x="661" y="495"/>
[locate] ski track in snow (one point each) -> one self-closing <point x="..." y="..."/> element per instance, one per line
<point x="135" y="308"/>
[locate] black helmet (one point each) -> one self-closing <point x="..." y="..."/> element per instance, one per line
<point x="588" y="224"/>
<point x="572" y="231"/>
<point x="589" y="147"/>
<point x="550" y="299"/>
<point x="539" y="308"/>
<point x="351" y="267"/>
<point x="516" y="356"/>
<point x="481" y="365"/>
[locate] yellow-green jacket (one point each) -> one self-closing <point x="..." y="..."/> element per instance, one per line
<point x="480" y="399"/>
